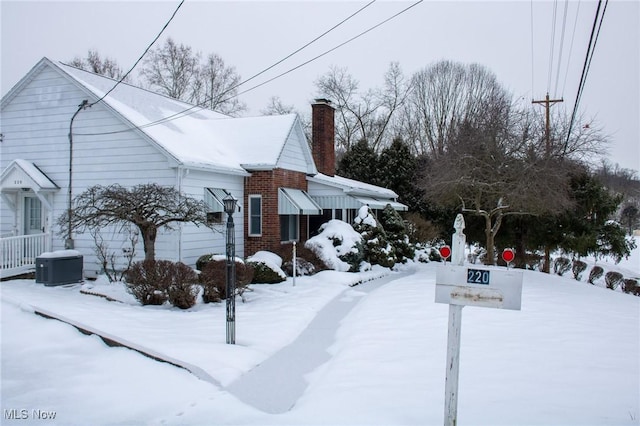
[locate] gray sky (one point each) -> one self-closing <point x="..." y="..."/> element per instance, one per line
<point x="253" y="35"/>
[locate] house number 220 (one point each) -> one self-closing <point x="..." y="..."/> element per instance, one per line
<point x="477" y="276"/>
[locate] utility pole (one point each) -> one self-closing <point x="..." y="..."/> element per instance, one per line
<point x="548" y="103"/>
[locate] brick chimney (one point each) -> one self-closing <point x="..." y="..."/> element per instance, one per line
<point x="323" y="136"/>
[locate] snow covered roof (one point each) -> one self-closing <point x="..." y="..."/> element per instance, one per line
<point x="194" y="136"/>
<point x="354" y="187"/>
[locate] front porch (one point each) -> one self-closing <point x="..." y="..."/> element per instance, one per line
<point x="18" y="253"/>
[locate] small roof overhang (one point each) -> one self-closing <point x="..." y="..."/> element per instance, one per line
<point x="296" y="202"/>
<point x="23" y="175"/>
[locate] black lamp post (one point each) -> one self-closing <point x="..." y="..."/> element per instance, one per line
<point x="229" y="208"/>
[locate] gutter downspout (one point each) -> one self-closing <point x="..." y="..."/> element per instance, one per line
<point x="181" y="173"/>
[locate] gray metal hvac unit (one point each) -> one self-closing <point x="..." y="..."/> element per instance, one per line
<point x="61" y="270"/>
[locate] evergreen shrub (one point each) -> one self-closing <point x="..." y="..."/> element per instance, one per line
<point x="561" y="265"/>
<point x="377" y="249"/>
<point x="398" y="234"/>
<point x="596" y="273"/>
<point x="630" y="286"/>
<point x="578" y="268"/>
<point x="613" y="279"/>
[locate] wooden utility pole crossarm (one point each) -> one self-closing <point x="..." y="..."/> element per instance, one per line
<point x="548" y="103"/>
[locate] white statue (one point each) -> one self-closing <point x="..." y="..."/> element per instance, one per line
<point x="458" y="241"/>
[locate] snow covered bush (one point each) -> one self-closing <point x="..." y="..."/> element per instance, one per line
<point x="303" y="267"/>
<point x="613" y="279"/>
<point x="203" y="260"/>
<point x="578" y="268"/>
<point x="213" y="278"/>
<point x="377" y="249"/>
<point x="561" y="265"/>
<point x="267" y="268"/>
<point x="338" y="245"/>
<point x="629" y="285"/>
<point x="307" y="262"/>
<point x="154" y="282"/>
<point x="596" y="272"/>
<point x="397" y="233"/>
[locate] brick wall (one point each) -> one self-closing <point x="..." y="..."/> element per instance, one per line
<point x="323" y="136"/>
<point x="266" y="184"/>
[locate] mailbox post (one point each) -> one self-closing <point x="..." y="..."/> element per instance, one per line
<point x="461" y="286"/>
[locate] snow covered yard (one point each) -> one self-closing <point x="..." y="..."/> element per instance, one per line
<point x="570" y="356"/>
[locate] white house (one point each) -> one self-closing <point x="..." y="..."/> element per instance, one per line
<point x="61" y="135"/>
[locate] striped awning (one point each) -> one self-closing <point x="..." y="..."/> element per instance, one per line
<point x="213" y="199"/>
<point x="297" y="202"/>
<point x="352" y="202"/>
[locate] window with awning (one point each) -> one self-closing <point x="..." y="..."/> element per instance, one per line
<point x="296" y="202"/>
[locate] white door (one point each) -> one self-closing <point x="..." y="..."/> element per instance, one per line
<point x="33" y="218"/>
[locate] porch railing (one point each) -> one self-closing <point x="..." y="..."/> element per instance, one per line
<point x="18" y="254"/>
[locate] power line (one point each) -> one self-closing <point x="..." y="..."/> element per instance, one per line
<point x="552" y="45"/>
<point x="564" y="24"/>
<point x="532" y="50"/>
<point x="301" y="48"/>
<point x="191" y="109"/>
<point x="587" y="63"/>
<point x="575" y="24"/>
<point x="143" y="54"/>
<point x="334" y="48"/>
<point x="186" y="111"/>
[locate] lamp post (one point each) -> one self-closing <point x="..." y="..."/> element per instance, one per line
<point x="229" y="209"/>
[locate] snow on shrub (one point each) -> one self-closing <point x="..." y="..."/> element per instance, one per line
<point x="596" y="272"/>
<point x="630" y="285"/>
<point x="561" y="265"/>
<point x="267" y="267"/>
<point x="613" y="279"/>
<point x="377" y="249"/>
<point x="578" y="268"/>
<point x="338" y="245"/>
<point x="397" y="233"/>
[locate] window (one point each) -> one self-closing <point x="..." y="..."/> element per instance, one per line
<point x="255" y="215"/>
<point x="289" y="225"/>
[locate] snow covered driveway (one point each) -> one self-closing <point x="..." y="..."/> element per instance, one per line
<point x="571" y="356"/>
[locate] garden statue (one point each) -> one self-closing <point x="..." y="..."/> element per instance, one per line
<point x="458" y="241"/>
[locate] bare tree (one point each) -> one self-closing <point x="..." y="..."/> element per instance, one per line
<point x="444" y="95"/>
<point x="277" y="107"/>
<point x="94" y="63"/>
<point x="170" y="69"/>
<point x="488" y="169"/>
<point x="149" y="207"/>
<point x="364" y="116"/>
<point x="215" y="86"/>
